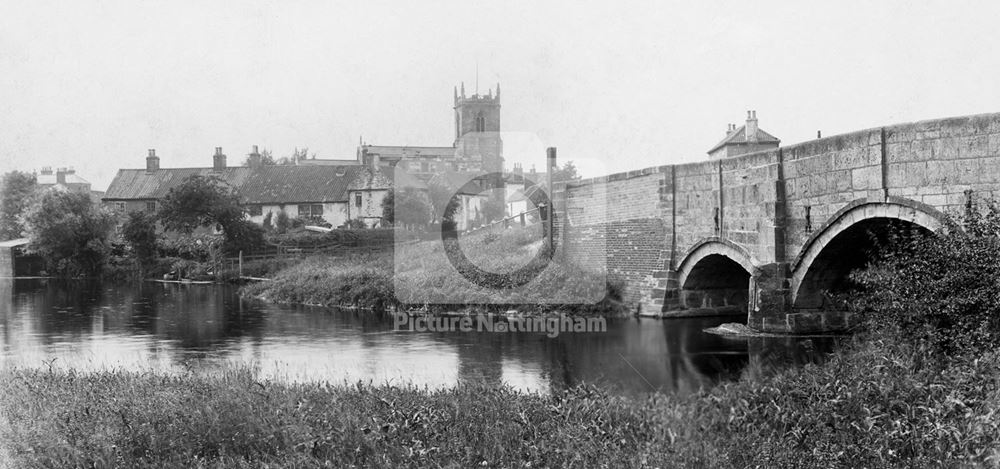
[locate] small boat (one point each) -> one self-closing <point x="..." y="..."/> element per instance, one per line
<point x="185" y="281"/>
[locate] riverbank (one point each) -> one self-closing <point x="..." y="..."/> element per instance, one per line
<point x="869" y="405"/>
<point x="403" y="278"/>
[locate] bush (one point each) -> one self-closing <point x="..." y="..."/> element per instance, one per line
<point x="281" y="222"/>
<point x="139" y="232"/>
<point x="243" y="235"/>
<point x="69" y="232"/>
<point x="939" y="290"/>
<point x="193" y="247"/>
<point x="354" y="224"/>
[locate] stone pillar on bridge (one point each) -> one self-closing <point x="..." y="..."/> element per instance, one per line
<point x="769" y="298"/>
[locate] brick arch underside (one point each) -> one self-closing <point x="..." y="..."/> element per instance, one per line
<point x="716" y="274"/>
<point x="847" y="242"/>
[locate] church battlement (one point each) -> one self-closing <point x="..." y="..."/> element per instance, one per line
<point x="488" y="98"/>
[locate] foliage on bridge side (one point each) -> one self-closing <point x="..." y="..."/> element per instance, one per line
<point x="940" y="291"/>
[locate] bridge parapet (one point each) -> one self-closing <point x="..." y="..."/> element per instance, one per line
<point x="772" y="204"/>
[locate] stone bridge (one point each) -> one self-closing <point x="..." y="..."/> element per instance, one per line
<point x="773" y="234"/>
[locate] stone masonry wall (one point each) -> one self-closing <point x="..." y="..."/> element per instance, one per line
<point x="771" y="203"/>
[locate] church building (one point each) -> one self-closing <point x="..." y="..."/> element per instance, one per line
<point x="477" y="146"/>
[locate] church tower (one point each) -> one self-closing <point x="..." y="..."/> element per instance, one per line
<point x="477" y="130"/>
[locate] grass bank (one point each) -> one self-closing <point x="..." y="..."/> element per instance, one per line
<point x="870" y="405"/>
<point x="420" y="275"/>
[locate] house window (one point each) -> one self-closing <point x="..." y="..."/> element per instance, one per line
<point x="311" y="211"/>
<point x="151" y="206"/>
<point x="119" y="206"/>
<point x="357" y="199"/>
<point x="255" y="210"/>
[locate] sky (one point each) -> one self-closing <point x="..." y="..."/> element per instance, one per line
<point x="613" y="85"/>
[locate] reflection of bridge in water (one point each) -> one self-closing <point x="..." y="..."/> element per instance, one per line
<point x="176" y="328"/>
<point x="770" y="234"/>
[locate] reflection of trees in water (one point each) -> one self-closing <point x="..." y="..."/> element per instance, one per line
<point x="641" y="356"/>
<point x="59" y="307"/>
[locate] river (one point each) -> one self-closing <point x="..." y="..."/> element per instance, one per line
<point x="208" y="328"/>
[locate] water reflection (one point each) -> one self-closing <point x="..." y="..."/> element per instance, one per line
<point x="176" y="328"/>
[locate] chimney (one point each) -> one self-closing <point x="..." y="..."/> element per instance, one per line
<point x="518" y="169"/>
<point x="152" y="161"/>
<point x="218" y="160"/>
<point x="751" y="131"/>
<point x="61" y="176"/>
<point x="70" y="170"/>
<point x="369" y="159"/>
<point x="255" y="159"/>
<point x="46" y="170"/>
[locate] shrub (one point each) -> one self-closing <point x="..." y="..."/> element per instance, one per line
<point x="939" y="290"/>
<point x="69" y="232"/>
<point x="281" y="222"/>
<point x="139" y="232"/>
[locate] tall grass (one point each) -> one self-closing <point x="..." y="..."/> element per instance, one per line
<point x="870" y="405"/>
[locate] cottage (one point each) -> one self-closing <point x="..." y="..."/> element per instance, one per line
<point x="330" y="194"/>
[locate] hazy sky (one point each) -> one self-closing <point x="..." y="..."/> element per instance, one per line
<point x="624" y="85"/>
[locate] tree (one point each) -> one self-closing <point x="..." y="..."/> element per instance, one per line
<point x="267" y="225"/>
<point x="266" y="158"/>
<point x="409" y="206"/>
<point x="139" y="231"/>
<point x="568" y="172"/>
<point x="443" y="202"/>
<point x="16" y="190"/>
<point x="197" y="201"/>
<point x="69" y="232"/>
<point x="281" y="222"/>
<point x="494" y="208"/>
<point x="206" y="201"/>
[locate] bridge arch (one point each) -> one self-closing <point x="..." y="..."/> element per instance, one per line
<point x="847" y="241"/>
<point x="716" y="274"/>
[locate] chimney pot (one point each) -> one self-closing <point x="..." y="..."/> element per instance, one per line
<point x="751" y="130"/>
<point x="255" y="159"/>
<point x="819" y="134"/>
<point x="152" y="161"/>
<point x="218" y="160"/>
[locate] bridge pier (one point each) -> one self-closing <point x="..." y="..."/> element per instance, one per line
<point x="766" y="302"/>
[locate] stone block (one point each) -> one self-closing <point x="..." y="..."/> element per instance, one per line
<point x="777" y="325"/>
<point x="802" y="323"/>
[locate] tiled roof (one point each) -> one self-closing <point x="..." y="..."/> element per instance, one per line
<point x="139" y="184"/>
<point x="50" y="179"/>
<point x="739" y="136"/>
<point x="284" y="184"/>
<point x="270" y="184"/>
